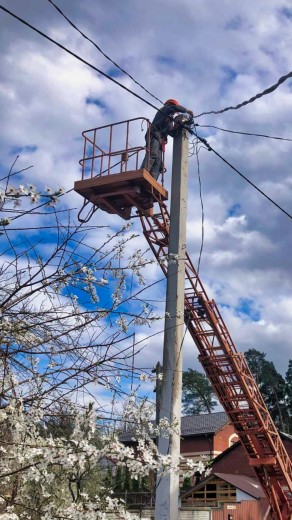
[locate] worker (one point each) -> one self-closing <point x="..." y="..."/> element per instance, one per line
<point x="161" y="126"/>
<point x="200" y="309"/>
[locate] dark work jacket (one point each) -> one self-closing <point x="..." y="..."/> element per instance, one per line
<point x="162" y="123"/>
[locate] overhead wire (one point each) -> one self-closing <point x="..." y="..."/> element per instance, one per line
<point x="244" y="133"/>
<point x="265" y="92"/>
<point x="41" y="33"/>
<point x="281" y="80"/>
<point x="102" y="52"/>
<point x="202" y="205"/>
<point x="80" y="59"/>
<point x="210" y="148"/>
<point x="268" y="90"/>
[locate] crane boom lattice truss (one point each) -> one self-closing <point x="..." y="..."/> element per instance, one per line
<point x="229" y="375"/>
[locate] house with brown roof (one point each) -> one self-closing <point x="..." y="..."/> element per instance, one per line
<point x="206" y="435"/>
<point x="234" y="460"/>
<point x="203" y="437"/>
<point x="228" y="496"/>
<point x="232" y="490"/>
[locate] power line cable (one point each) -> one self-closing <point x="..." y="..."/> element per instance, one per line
<point x="242" y="175"/>
<point x="245" y="133"/>
<point x="102" y="52"/>
<point x="77" y="57"/>
<point x="281" y="80"/>
<point x="252" y="99"/>
<point x="202" y="207"/>
<point x="265" y="92"/>
<point x="196" y="150"/>
<point x="83" y="61"/>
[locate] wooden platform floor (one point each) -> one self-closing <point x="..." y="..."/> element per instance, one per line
<point x="118" y="193"/>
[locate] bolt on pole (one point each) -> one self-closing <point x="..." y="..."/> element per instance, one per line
<point x="167" y="487"/>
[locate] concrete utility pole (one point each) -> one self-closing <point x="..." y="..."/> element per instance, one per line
<point x="167" y="490"/>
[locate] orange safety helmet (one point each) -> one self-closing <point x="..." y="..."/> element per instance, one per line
<point x="171" y="102"/>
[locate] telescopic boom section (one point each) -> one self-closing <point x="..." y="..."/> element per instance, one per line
<point x="230" y="376"/>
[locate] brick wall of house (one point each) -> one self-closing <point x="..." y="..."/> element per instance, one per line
<point x="236" y="462"/>
<point x="210" y="445"/>
<point x="197" y="445"/>
<point x="224" y="438"/>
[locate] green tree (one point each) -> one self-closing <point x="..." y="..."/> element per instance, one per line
<point x="289" y="393"/>
<point x="274" y="389"/>
<point x="272" y="386"/>
<point x="256" y="361"/>
<point x="198" y="396"/>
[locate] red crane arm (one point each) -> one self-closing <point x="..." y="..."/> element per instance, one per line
<point x="229" y="375"/>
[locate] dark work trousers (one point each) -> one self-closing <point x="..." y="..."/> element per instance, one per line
<point x="153" y="159"/>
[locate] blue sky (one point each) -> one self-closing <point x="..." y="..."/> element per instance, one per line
<point x="208" y="55"/>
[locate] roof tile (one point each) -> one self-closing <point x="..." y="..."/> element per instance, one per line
<point x="193" y="425"/>
<point x="205" y="423"/>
